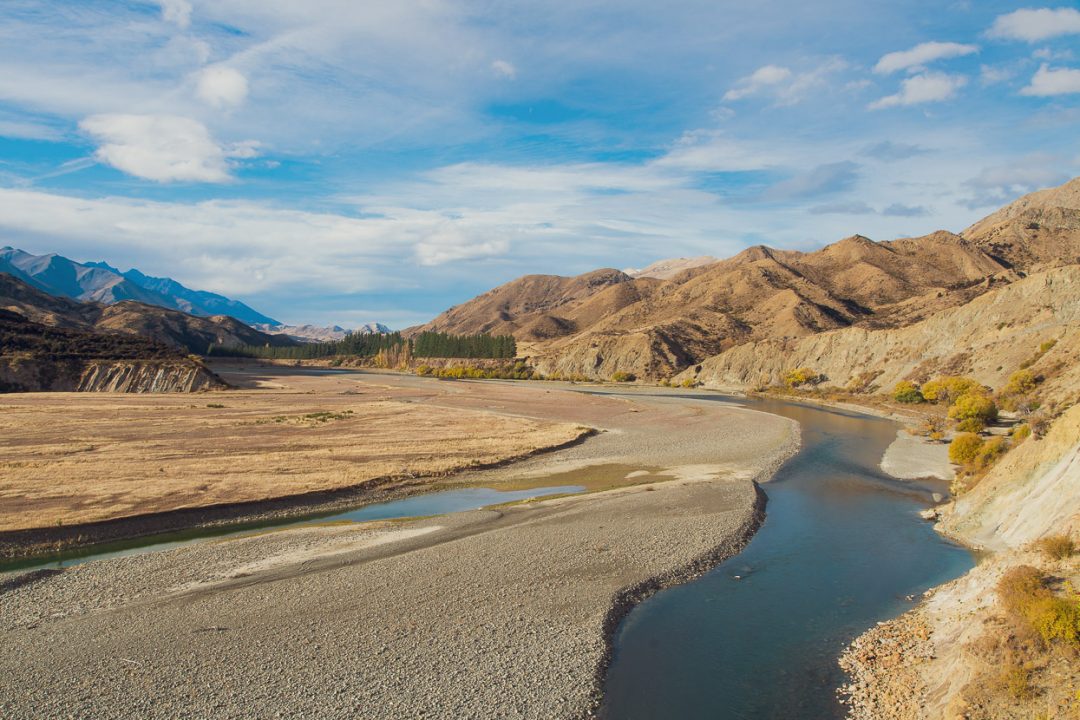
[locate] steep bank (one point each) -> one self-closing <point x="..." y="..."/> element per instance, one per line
<point x="126" y="376"/>
<point x="987" y="338"/>
<point x="949" y="657"/>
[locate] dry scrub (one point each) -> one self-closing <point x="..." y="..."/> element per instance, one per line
<point x="76" y="458"/>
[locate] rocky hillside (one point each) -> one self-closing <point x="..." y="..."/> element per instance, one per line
<point x="1038" y="230"/>
<point x="172" y="328"/>
<point x="987" y="338"/>
<point x="656" y="327"/>
<point x="36" y="357"/>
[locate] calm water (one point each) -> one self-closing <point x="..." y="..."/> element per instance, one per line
<point x="758" y="637"/>
<point x="436" y="503"/>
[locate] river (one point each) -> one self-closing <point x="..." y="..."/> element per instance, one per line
<point x="758" y="637"/>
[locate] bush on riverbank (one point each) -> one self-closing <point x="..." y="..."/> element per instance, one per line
<point x="1035" y="608"/>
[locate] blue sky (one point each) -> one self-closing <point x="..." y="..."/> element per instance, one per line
<point x="334" y="161"/>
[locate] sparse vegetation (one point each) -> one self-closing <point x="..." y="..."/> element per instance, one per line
<point x="802" y="376"/>
<point x="1027" y="599"/>
<point x="1056" y="547"/>
<point x="518" y="371"/>
<point x="621" y="377"/>
<point x="931" y="427"/>
<point x="1042" y="350"/>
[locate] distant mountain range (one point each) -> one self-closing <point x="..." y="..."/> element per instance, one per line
<point x="314" y="333"/>
<point x="176" y="329"/>
<point x="102" y="283"/>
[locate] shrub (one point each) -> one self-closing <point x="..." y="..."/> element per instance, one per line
<point x="931" y="427"/>
<point x="907" y="392"/>
<point x="1020" y="433"/>
<point x="974" y="404"/>
<point x="1016" y="680"/>
<point x="624" y="377"/>
<point x="1043" y="349"/>
<point x="689" y="383"/>
<point x="1056" y="547"/>
<point x="964" y="448"/>
<point x="1024" y="594"/>
<point x="216" y="406"/>
<point x="1020" y="382"/>
<point x="947" y="388"/>
<point x="972" y="425"/>
<point x="801" y="376"/>
<point x="989" y="452"/>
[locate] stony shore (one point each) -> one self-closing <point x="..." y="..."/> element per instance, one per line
<point x="505" y="611"/>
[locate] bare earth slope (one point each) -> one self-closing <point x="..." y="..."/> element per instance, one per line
<point x="1039" y="229"/>
<point x="987" y="338"/>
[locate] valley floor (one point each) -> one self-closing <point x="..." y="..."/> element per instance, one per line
<point x="507" y="608"/>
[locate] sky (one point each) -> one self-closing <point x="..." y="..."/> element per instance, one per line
<point x="344" y="161"/>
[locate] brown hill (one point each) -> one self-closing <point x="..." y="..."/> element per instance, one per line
<point x="606" y="321"/>
<point x="171" y="328"/>
<point x="1038" y="230"/>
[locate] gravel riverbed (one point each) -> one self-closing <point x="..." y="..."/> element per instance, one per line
<point x="503" y="612"/>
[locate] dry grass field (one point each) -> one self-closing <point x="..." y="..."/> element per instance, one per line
<point x="68" y="458"/>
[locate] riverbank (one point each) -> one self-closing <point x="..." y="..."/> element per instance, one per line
<point x="959" y="655"/>
<point x="508" y="608"/>
<point x="282" y="444"/>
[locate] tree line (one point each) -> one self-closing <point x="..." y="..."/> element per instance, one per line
<point x="445" y="345"/>
<point x="426" y="344"/>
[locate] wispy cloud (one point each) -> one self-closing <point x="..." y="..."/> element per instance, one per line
<point x="921" y="55"/>
<point x="919" y="89"/>
<point x="783" y="85"/>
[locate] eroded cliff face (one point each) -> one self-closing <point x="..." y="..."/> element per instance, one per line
<point x="988" y="338"/>
<point x="136" y="376"/>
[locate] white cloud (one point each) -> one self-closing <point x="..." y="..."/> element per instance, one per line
<point x="782" y="84"/>
<point x="920" y="55"/>
<point x="1033" y="25"/>
<point x="505" y="69"/>
<point x="221" y="86"/>
<point x="1053" y="81"/>
<point x="754" y="83"/>
<point x="176" y="11"/>
<point x="928" y="87"/>
<point x="163" y="148"/>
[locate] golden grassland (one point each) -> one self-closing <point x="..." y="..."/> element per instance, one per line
<point x="69" y="458"/>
